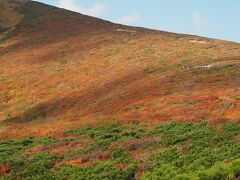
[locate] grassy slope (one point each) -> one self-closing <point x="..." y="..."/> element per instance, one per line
<point x="61" y="70"/>
<point x="9" y="17"/>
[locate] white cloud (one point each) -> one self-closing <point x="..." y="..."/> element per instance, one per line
<point x="198" y="21"/>
<point x="96" y="10"/>
<point x="131" y="19"/>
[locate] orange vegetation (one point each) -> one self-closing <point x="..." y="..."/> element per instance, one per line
<point x="61" y="70"/>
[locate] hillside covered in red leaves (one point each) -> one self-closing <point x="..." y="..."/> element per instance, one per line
<point x="60" y="69"/>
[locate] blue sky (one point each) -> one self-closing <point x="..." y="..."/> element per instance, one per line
<point x="209" y="18"/>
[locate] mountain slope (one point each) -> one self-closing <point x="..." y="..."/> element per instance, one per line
<point x="60" y="69"/>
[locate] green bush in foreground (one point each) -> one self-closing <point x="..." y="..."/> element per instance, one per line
<point x="106" y="170"/>
<point x="171" y="150"/>
<point x="218" y="171"/>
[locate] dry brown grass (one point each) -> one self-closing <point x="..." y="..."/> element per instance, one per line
<point x="9" y="16"/>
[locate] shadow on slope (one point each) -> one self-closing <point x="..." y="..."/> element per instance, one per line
<point x="113" y="97"/>
<point x="106" y="99"/>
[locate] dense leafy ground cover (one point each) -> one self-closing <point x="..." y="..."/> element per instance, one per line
<point x="166" y="151"/>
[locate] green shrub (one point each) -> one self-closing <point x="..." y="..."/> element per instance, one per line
<point x="39" y="167"/>
<point x="106" y="170"/>
<point x="180" y="151"/>
<point x="164" y="172"/>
